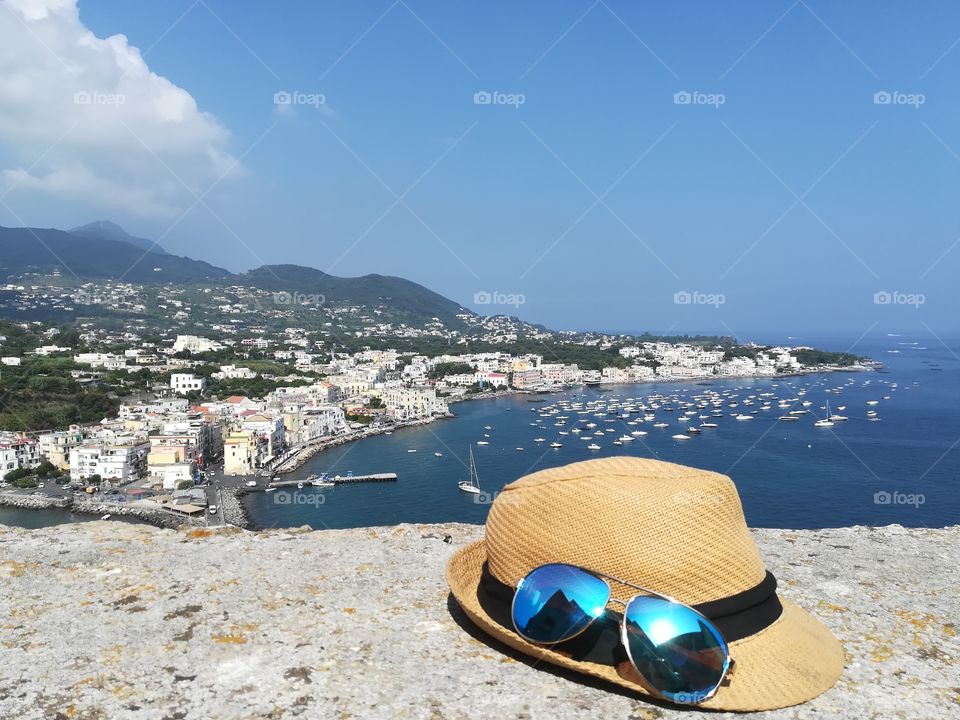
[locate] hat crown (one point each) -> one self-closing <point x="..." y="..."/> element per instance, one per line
<point x="677" y="530"/>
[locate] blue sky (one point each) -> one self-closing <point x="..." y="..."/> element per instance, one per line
<point x="782" y="196"/>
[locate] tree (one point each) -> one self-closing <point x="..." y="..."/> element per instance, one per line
<point x="184" y="484"/>
<point x="441" y="370"/>
<point x="46" y="469"/>
<point x="17" y="474"/>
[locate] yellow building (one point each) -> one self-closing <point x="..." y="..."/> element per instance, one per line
<point x="239" y="453"/>
<point x="171" y="464"/>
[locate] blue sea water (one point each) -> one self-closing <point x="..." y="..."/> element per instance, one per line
<point x="903" y="469"/>
<point x="47" y="517"/>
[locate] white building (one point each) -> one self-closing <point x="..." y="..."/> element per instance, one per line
<point x="268" y="427"/>
<point x="491" y="379"/>
<point x="306" y="424"/>
<point x="411" y="403"/>
<point x="119" y="462"/>
<point x="8" y="460"/>
<point x="56" y="446"/>
<point x="195" y="344"/>
<point x="640" y="372"/>
<point x="739" y="366"/>
<point x="101" y="360"/>
<point x="49" y="350"/>
<point x="232" y="372"/>
<point x="18" y="451"/>
<point x="183" y="383"/>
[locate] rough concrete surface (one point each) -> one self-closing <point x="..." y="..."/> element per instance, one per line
<point x="109" y="620"/>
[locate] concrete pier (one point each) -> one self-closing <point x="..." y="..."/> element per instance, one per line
<point x="339" y="480"/>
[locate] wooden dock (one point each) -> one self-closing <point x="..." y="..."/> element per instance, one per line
<point x="339" y="480"/>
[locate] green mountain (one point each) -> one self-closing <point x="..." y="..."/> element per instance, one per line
<point x="91" y="256"/>
<point x="104" y="251"/>
<point x="106" y="230"/>
<point x="402" y="296"/>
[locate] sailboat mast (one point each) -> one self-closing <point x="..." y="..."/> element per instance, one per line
<point x="474" y="477"/>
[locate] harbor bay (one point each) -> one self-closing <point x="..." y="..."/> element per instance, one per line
<point x="892" y="460"/>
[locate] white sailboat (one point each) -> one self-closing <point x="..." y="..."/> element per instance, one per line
<point x="473" y="484"/>
<point x="825" y="422"/>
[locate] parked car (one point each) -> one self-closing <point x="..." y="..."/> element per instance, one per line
<point x="213" y="510"/>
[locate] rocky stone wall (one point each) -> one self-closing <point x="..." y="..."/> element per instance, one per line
<point x="108" y="620"/>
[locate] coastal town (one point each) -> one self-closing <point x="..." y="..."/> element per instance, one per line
<point x="160" y="398"/>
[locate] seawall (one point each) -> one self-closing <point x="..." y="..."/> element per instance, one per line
<point x="157" y="517"/>
<point x="109" y="620"/>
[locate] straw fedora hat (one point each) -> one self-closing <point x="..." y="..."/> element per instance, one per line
<point x="676" y="530"/>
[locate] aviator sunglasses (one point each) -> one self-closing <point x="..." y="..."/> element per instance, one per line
<point x="677" y="651"/>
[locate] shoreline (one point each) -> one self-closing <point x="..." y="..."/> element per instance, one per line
<point x="302" y="458"/>
<point x="306" y="452"/>
<point x="235" y="511"/>
<point x="156" y="517"/>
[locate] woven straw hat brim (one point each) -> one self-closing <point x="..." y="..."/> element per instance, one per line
<point x="787" y="663"/>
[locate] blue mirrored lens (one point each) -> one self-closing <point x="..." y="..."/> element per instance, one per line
<point x="556" y="602"/>
<point x="678" y="651"/>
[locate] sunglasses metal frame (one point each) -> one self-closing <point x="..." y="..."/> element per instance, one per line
<point x="728" y="664"/>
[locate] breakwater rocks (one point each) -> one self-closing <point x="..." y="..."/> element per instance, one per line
<point x="128" y="621"/>
<point x="159" y="518"/>
<point x="234" y="513"/>
<point x="31" y="502"/>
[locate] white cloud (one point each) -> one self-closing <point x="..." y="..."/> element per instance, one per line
<point x="85" y="119"/>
